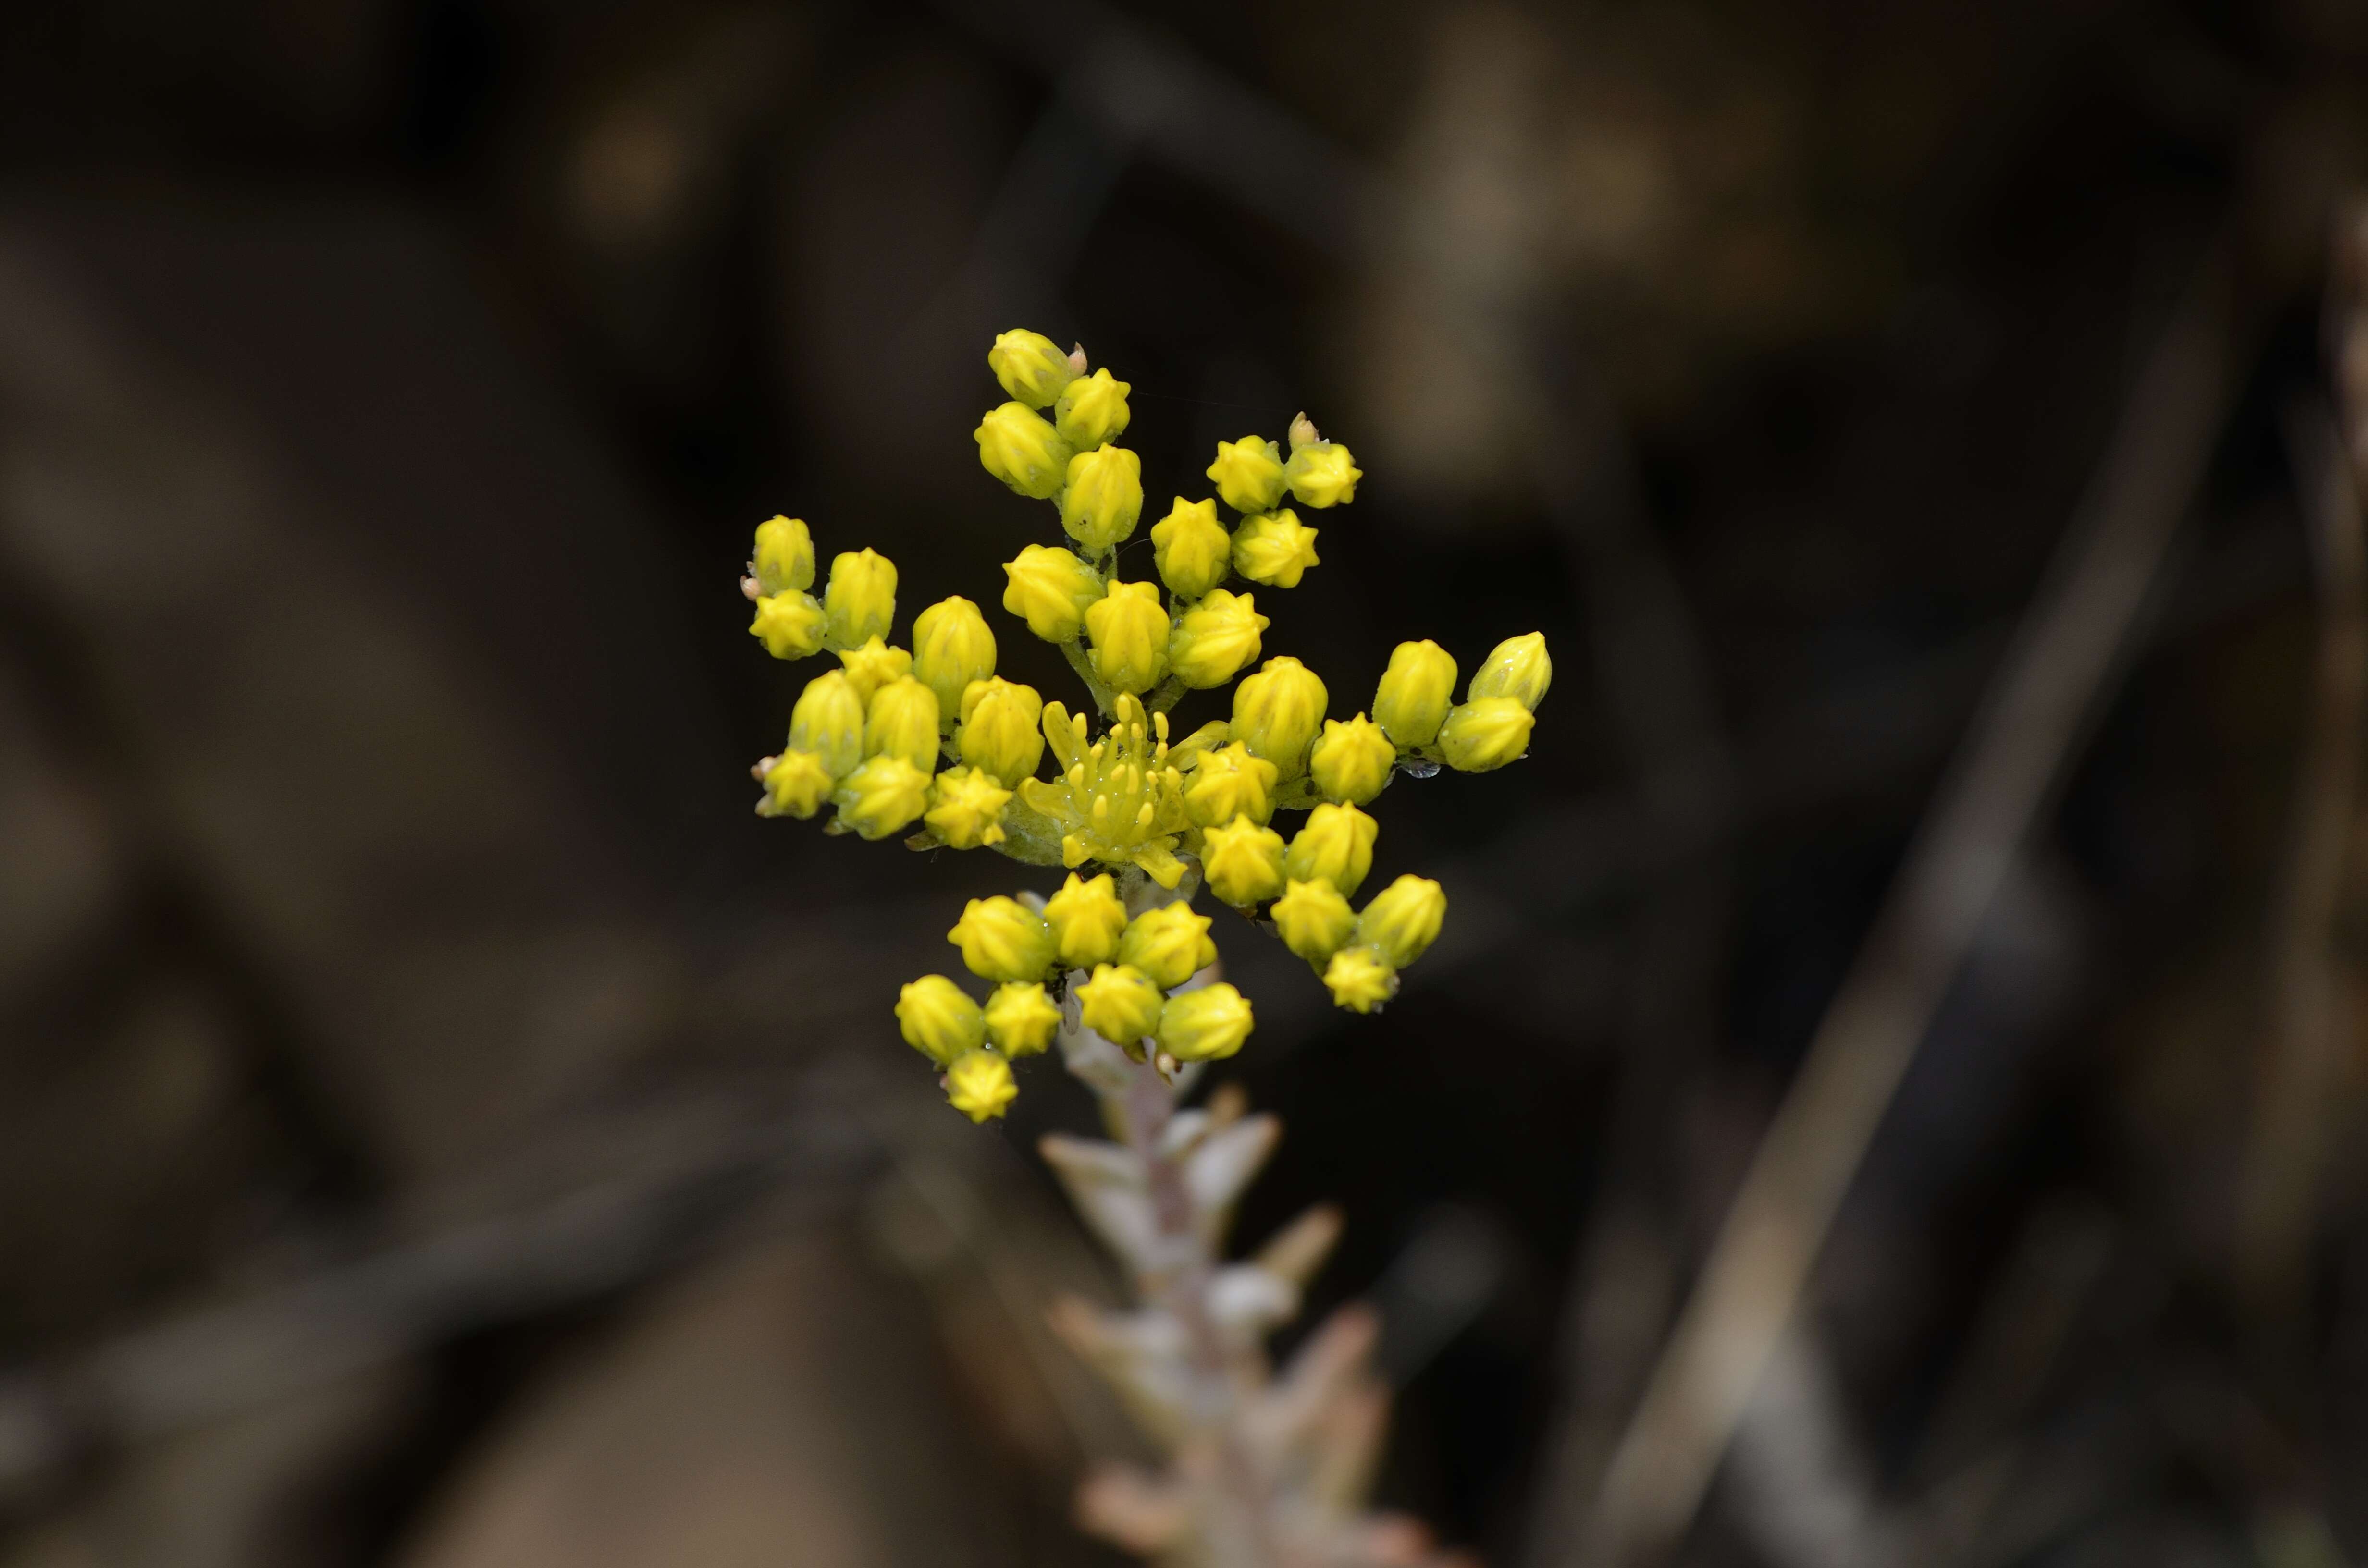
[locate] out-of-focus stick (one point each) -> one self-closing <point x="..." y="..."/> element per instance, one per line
<point x="2048" y="691"/>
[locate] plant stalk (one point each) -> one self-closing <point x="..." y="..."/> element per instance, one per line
<point x="1149" y="1105"/>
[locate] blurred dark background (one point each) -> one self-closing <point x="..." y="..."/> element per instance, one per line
<point x="441" y="1126"/>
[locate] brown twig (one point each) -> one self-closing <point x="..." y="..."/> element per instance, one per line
<point x="2301" y="1049"/>
<point x="2044" y="697"/>
<point x="2301" y="1046"/>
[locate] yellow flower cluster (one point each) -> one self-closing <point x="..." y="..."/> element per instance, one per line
<point x="1128" y="978"/>
<point x="931" y="740"/>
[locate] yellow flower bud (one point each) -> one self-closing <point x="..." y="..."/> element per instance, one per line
<point x="829" y="722"/>
<point x="1312" y="918"/>
<point x="1128" y="627"/>
<point x="1486" y="734"/>
<point x="999" y="733"/>
<point x="1192" y="548"/>
<point x="882" y="796"/>
<point x="795" y="786"/>
<point x="966" y="809"/>
<point x="938" y="1019"/>
<point x="1216" y="638"/>
<point x="1248" y="473"/>
<point x="872" y="665"/>
<point x="1403" y="919"/>
<point x="1086" y="918"/>
<point x="1337" y="846"/>
<point x="1170" y="944"/>
<point x="784" y="556"/>
<point x="1209" y="737"/>
<point x="861" y="600"/>
<point x="1415" y="693"/>
<point x="1002" y="938"/>
<point x="1227" y="783"/>
<point x="1242" y="863"/>
<point x="1518" y="667"/>
<point x="979" y="1085"/>
<point x="1092" y="410"/>
<point x="1021" y="1020"/>
<point x="789" y="624"/>
<point x="1274" y="548"/>
<point x="902" y="721"/>
<point x="1277" y="713"/>
<point x="1322" y="473"/>
<point x="1360" y="979"/>
<point x="1104" y="499"/>
<point x="1206" y="1025"/>
<point x="952" y="648"/>
<point x="1120" y="1002"/>
<point x="1351" y="759"/>
<point x="1049" y="587"/>
<point x="1018" y="446"/>
<point x="1031" y="366"/>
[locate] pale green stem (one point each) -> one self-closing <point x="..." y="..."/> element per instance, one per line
<point x="1104" y="699"/>
<point x="1144" y="1115"/>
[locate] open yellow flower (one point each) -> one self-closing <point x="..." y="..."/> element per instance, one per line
<point x="1118" y="800"/>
